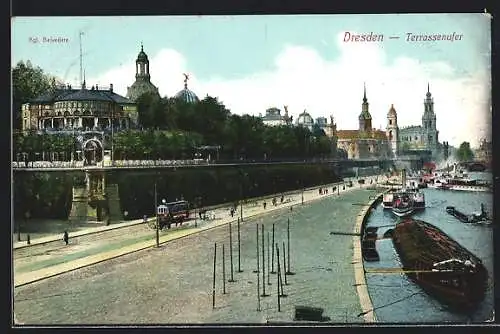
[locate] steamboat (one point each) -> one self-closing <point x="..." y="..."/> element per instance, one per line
<point x="437" y="263"/>
<point x="459" y="180"/>
<point x="405" y="200"/>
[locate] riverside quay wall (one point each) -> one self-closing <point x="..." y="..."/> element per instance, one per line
<point x="50" y="195"/>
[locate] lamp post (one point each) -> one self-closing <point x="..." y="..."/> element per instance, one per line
<point x="156" y="219"/>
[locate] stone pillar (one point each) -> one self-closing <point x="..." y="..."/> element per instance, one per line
<point x="113" y="201"/>
<point x="80" y="202"/>
<point x="52" y="122"/>
<point x="96" y="120"/>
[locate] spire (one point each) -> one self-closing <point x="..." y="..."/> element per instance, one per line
<point x="428" y="90"/>
<point x="142" y="48"/>
<point x="364" y="92"/>
<point x="186" y="78"/>
<point x="83" y="84"/>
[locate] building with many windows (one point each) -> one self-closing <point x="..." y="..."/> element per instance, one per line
<point x="83" y="109"/>
<point x="273" y="117"/>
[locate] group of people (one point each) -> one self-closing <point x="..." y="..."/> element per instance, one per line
<point x="274" y="201"/>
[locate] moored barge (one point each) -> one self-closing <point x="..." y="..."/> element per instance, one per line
<point x="441" y="266"/>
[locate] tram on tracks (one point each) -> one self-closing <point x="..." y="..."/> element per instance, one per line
<point x="171" y="213"/>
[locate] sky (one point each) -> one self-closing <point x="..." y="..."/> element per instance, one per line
<point x="252" y="63"/>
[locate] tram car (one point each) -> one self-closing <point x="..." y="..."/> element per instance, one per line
<point x="172" y="213"/>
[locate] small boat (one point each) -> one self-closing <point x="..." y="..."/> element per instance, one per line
<point x="459" y="215"/>
<point x="442" y="267"/>
<point x="475" y="217"/>
<point x="368" y="245"/>
<point x="403" y="204"/>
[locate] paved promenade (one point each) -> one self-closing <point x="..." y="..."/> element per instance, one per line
<point x="186" y="250"/>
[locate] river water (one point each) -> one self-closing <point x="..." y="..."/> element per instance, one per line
<point x="395" y="298"/>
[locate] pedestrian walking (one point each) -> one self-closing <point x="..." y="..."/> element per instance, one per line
<point x="66" y="237"/>
<point x="232" y="212"/>
<point x="264" y="204"/>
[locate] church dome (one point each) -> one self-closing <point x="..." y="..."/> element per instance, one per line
<point x="305" y="119"/>
<point x="142" y="56"/>
<point x="392" y="111"/>
<point x="186" y="94"/>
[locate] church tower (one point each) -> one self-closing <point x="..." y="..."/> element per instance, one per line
<point x="365" y="119"/>
<point x="333" y="136"/>
<point x="430" y="133"/>
<point x="142" y="82"/>
<point x="392" y="130"/>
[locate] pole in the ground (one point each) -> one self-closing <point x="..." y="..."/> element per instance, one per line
<point x="157" y="220"/>
<point x="268" y="261"/>
<point x="284" y="263"/>
<point x="258" y="291"/>
<point x="263" y="264"/>
<point x="257" y="240"/>
<point x="239" y="248"/>
<point x="272" y="255"/>
<point x="231" y="251"/>
<point x="288" y="271"/>
<point x="213" y="285"/>
<point x="279" y="271"/>
<point x="278" y="282"/>
<point x="223" y="270"/>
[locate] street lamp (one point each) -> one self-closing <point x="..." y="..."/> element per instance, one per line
<point x="156" y="219"/>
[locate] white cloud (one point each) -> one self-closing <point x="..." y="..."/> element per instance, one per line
<point x="302" y="79"/>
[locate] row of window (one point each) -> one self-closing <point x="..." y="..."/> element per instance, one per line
<point x="416" y="138"/>
<point x="86" y="105"/>
<point x="80" y="112"/>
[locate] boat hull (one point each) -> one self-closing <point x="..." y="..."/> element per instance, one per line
<point x="422" y="246"/>
<point x="402" y="213"/>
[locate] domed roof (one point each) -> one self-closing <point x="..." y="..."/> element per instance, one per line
<point x="142" y="56"/>
<point x="186" y="94"/>
<point x="305" y="118"/>
<point x="392" y="111"/>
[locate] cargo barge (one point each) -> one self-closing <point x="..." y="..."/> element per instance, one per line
<point x="437" y="263"/>
<point x="474" y="218"/>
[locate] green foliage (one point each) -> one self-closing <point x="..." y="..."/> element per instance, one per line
<point x="28" y="82"/>
<point x="35" y="144"/>
<point x="184" y="126"/>
<point x="464" y="152"/>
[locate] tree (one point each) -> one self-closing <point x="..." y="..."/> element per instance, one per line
<point x="28" y="82"/>
<point x="150" y="110"/>
<point x="464" y="152"/>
